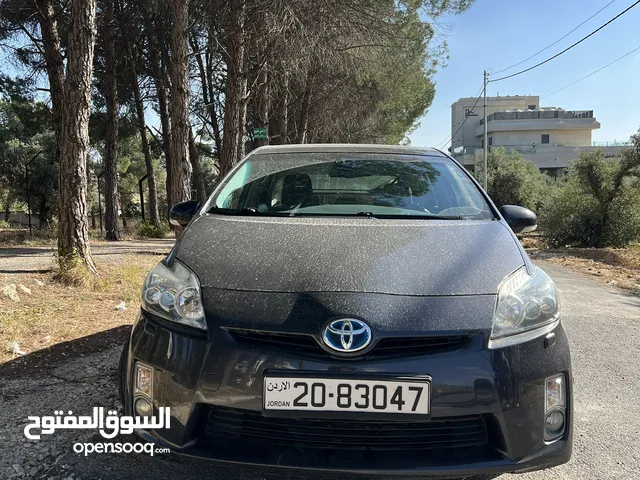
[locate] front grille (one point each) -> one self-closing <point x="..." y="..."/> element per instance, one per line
<point x="419" y="345"/>
<point x="386" y="347"/>
<point x="234" y="425"/>
<point x="291" y="342"/>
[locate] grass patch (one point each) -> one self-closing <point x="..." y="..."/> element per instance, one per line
<point x="58" y="312"/>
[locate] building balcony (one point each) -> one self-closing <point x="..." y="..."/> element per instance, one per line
<point x="538" y="120"/>
<point x="536" y="114"/>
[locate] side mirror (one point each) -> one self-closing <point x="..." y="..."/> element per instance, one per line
<point x="521" y="220"/>
<point x="182" y="213"/>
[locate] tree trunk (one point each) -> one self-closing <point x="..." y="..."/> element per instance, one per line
<point x="214" y="97"/>
<point x="602" y="228"/>
<point x="165" y="74"/>
<point x="242" y="120"/>
<point x="124" y="217"/>
<point x="43" y="212"/>
<point x="73" y="235"/>
<point x="206" y="78"/>
<point x="54" y="62"/>
<point x="7" y="207"/>
<point x="111" y="225"/>
<point x="198" y="178"/>
<point x="304" y="114"/>
<point x="165" y="122"/>
<point x="159" y="77"/>
<point x="154" y="218"/>
<point x="180" y="167"/>
<point x="235" y="91"/>
<point x="263" y="107"/>
<point x="283" y="121"/>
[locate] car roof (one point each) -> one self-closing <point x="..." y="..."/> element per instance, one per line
<point x="347" y="148"/>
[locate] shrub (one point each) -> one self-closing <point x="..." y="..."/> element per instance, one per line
<point x="147" y="229"/>
<point x="514" y="181"/>
<point x="4" y="224"/>
<point x="598" y="205"/>
<point x="567" y="216"/>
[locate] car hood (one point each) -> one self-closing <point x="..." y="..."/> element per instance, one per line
<point x="401" y="257"/>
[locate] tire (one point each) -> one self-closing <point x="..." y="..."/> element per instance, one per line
<point x="122" y="372"/>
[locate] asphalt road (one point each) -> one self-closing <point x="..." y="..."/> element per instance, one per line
<point x="21" y="259"/>
<point x="603" y="325"/>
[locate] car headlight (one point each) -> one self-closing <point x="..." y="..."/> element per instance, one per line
<point x="173" y="293"/>
<point x="525" y="303"/>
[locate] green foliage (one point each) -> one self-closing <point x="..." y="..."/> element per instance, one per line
<point x="26" y="138"/>
<point x="598" y="205"/>
<point x="514" y="181"/>
<point x="4" y="224"/>
<point x="384" y="87"/>
<point x="146" y="229"/>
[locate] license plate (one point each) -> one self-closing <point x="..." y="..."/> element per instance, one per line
<point x="342" y="395"/>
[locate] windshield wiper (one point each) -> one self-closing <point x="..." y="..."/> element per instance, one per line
<point x="426" y="216"/>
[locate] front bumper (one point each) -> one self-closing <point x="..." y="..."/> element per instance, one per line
<point x="502" y="390"/>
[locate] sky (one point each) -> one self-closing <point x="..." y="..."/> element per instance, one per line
<point x="495" y="34"/>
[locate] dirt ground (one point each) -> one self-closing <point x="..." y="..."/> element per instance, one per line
<point x="619" y="267"/>
<point x="42" y="312"/>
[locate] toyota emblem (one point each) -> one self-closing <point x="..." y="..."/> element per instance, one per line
<point x="346" y="335"/>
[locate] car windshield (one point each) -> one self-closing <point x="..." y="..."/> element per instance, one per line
<point x="377" y="185"/>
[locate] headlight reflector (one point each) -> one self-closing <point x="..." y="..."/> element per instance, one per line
<point x="525" y="302"/>
<point x="143" y="383"/>
<point x="555" y="392"/>
<point x="173" y="293"/>
<point x="189" y="304"/>
<point x="554" y="407"/>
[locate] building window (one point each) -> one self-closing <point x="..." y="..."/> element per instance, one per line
<point x="531" y="107"/>
<point x="545" y="138"/>
<point x="490" y="140"/>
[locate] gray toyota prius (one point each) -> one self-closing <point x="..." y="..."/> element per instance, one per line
<point x="353" y="309"/>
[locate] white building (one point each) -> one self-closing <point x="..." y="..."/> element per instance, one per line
<point x="550" y="137"/>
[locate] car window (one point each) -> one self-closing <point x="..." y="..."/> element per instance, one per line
<point x="353" y="184"/>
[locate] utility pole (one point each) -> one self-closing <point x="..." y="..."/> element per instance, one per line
<point x="486" y="146"/>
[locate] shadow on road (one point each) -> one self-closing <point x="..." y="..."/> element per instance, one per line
<point x="37" y="363"/>
<point x="24" y="251"/>
<point x="14" y="272"/>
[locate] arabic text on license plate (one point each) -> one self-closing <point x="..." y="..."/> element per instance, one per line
<point x="325" y="394"/>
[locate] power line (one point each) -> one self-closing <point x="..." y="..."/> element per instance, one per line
<point x="441" y="144"/>
<point x="592" y="73"/>
<point x="568" y="48"/>
<point x="554" y="43"/>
